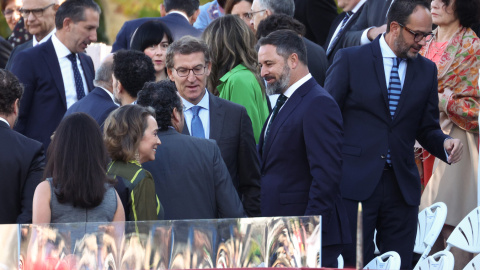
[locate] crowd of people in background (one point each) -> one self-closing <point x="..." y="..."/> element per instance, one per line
<point x="245" y="108"/>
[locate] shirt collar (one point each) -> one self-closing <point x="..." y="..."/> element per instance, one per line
<point x="181" y="13"/>
<point x="234" y="70"/>
<point x="60" y="48"/>
<point x="35" y="42"/>
<point x="4" y="120"/>
<point x="294" y="86"/>
<point x="385" y="49"/>
<point x="203" y="103"/>
<point x="358" y="6"/>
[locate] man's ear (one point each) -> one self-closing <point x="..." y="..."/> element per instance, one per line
<point x="16" y="106"/>
<point x="194" y="17"/>
<point x="170" y="74"/>
<point x="67" y="22"/>
<point x="163" y="11"/>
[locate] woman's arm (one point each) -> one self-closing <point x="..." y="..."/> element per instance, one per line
<point x="41" y="212"/>
<point x="120" y="213"/>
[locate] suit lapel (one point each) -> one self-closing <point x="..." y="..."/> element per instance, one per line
<point x="380" y="71"/>
<point x="216" y="117"/>
<point x="407" y="85"/>
<point x="87" y="70"/>
<point x="54" y="67"/>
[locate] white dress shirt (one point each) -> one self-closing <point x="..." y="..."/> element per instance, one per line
<point x="67" y="71"/>
<point x="4" y="120"/>
<point x="203" y="113"/>
<point x="35" y="42"/>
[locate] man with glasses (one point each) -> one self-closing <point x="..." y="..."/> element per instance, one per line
<point x="388" y="97"/>
<point x="56" y="73"/>
<point x="210" y="117"/>
<point x="39" y="17"/>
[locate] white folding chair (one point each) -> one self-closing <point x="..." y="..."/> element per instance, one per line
<point x="429" y="225"/>
<point x="388" y="260"/>
<point x="442" y="260"/>
<point x="474" y="264"/>
<point x="466" y="236"/>
<point x="340" y="262"/>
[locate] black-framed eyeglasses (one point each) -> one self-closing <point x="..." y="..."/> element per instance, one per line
<point x="197" y="70"/>
<point x="418" y="36"/>
<point x="37" y="12"/>
<point x="251" y="13"/>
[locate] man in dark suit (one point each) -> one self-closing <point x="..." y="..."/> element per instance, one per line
<point x="342" y="23"/>
<point x="178" y="15"/>
<point x="190" y="176"/>
<point x="21" y="160"/>
<point x="57" y="73"/>
<point x="388" y="97"/>
<point x="39" y="16"/>
<point x="100" y="102"/>
<point x="207" y="116"/>
<point x="300" y="143"/>
<point x="317" y="59"/>
<point x="317" y="16"/>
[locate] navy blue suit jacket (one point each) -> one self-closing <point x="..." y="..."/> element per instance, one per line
<point x="16" y="51"/>
<point x="98" y="104"/>
<point x="43" y="103"/>
<point x="301" y="162"/>
<point x="177" y="24"/>
<point x="356" y="80"/>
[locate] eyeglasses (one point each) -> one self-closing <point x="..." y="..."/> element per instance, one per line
<point x="246" y="15"/>
<point x="418" y="36"/>
<point x="251" y="13"/>
<point x="37" y="12"/>
<point x="184" y="72"/>
<point x="9" y="12"/>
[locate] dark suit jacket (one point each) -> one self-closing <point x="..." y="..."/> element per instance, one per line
<point x="361" y="94"/>
<point x="43" y="103"/>
<point x="317" y="16"/>
<point x="191" y="179"/>
<point x="98" y="104"/>
<point x="301" y="162"/>
<point x="21" y="167"/>
<point x="316" y="60"/>
<point x="177" y="24"/>
<point x="374" y="14"/>
<point x="338" y="42"/>
<point x="16" y="50"/>
<point x="231" y="128"/>
<point x="5" y="51"/>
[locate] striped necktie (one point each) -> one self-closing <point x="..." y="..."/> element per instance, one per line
<point x="394" y="91"/>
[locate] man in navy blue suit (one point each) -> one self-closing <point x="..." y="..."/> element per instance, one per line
<point x="100" y="102"/>
<point x="57" y="73"/>
<point x="178" y="15"/>
<point x="300" y="144"/>
<point x="388" y="97"/>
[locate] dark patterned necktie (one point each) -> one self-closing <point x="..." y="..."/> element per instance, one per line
<point x="280" y="101"/>
<point x="344" y="22"/>
<point x="78" y="78"/>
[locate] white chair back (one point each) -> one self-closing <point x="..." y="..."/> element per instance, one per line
<point x="474" y="264"/>
<point x="442" y="260"/>
<point x="388" y="260"/>
<point x="466" y="235"/>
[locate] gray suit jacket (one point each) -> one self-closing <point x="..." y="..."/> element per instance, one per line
<point x="191" y="179"/>
<point x="231" y="128"/>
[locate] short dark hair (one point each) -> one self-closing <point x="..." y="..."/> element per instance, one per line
<point x="187" y="45"/>
<point x="148" y="34"/>
<point x="467" y="11"/>
<point x="279" y="22"/>
<point x="286" y="7"/>
<point x="10" y="90"/>
<point x="287" y="42"/>
<point x="133" y="69"/>
<point x="163" y="98"/>
<point x="75" y="10"/>
<point x="401" y="10"/>
<point x="78" y="179"/>
<point x="187" y="6"/>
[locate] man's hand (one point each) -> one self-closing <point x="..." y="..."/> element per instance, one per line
<point x="375" y="31"/>
<point x="454" y="148"/>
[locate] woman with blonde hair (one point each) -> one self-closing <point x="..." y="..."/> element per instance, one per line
<point x="234" y="75"/>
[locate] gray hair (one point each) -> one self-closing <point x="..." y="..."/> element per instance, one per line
<point x="103" y="75"/>
<point x="286" y="7"/>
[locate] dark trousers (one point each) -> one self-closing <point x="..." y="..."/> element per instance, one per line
<point x="395" y="221"/>
<point x="330" y="254"/>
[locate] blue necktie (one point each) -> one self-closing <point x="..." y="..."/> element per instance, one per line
<point x="197" y="126"/>
<point x="394" y="91"/>
<point x="280" y="101"/>
<point x="78" y="78"/>
<point x="344" y="22"/>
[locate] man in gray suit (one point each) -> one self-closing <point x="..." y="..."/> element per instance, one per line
<point x="208" y="116"/>
<point x="190" y="176"/>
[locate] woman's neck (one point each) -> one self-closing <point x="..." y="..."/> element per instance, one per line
<point x="446" y="32"/>
<point x="162" y="75"/>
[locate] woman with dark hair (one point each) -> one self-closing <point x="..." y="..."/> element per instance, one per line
<point x="455" y="49"/>
<point x="234" y="75"/>
<point x="10" y="9"/>
<point x="153" y="38"/>
<point x="130" y="134"/>
<point x="240" y="8"/>
<point x="77" y="188"/>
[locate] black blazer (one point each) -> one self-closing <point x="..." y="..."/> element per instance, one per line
<point x="231" y="128"/>
<point x="22" y="162"/>
<point x="317" y="16"/>
<point x="16" y="50"/>
<point x="191" y="179"/>
<point x="43" y="103"/>
<point x="317" y="61"/>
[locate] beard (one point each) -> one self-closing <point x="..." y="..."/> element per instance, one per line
<point x="403" y="49"/>
<point x="278" y="86"/>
